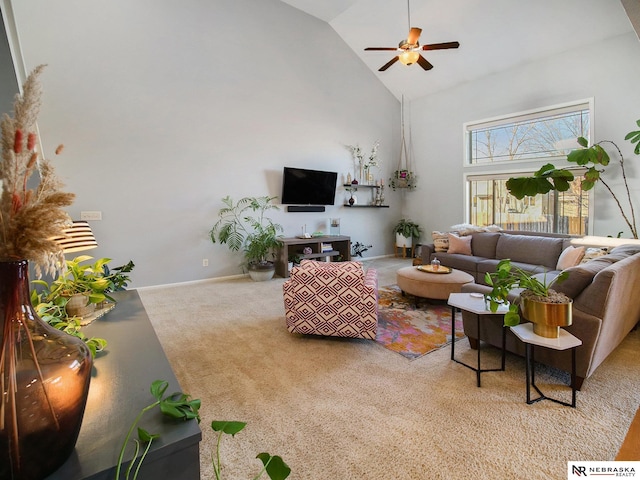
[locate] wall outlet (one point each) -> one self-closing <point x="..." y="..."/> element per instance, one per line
<point x="205" y="262"/>
<point x="91" y="215"/>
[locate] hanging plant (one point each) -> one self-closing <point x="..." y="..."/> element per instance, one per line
<point x="403" y="179"/>
<point x="404" y="176"/>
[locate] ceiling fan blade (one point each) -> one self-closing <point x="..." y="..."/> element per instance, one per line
<point x="424" y="63"/>
<point x="389" y="49"/>
<point x="441" y="46"/>
<point x="414" y="35"/>
<point x="388" y="64"/>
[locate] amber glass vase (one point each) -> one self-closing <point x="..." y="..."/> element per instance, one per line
<point x="44" y="379"/>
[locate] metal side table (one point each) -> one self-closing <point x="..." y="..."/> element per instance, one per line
<point x="474" y="303"/>
<point x="564" y="341"/>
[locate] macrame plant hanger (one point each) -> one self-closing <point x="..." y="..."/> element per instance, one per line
<point x="404" y="176"/>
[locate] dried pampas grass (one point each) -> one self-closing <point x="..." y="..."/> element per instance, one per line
<point x="30" y="216"/>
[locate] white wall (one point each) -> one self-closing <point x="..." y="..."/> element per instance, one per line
<point x="165" y="107"/>
<point x="607" y="71"/>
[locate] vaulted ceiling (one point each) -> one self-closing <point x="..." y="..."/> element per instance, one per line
<point x="494" y="35"/>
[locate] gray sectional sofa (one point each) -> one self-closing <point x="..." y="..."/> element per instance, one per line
<point x="605" y="292"/>
<point x="532" y="252"/>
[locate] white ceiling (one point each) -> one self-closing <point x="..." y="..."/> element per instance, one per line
<point x="494" y="35"/>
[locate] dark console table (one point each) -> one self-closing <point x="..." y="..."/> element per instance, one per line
<point x="341" y="248"/>
<point x="119" y="390"/>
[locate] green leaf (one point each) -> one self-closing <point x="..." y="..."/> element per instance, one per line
<point x="158" y="388"/>
<point x="562" y="184"/>
<point x="511" y="319"/>
<point x="583" y="142"/>
<point x="228" y="427"/>
<point x="276" y="468"/>
<point x="181" y="406"/>
<point x="600" y="156"/>
<point x="579" y="157"/>
<point x="634" y="137"/>
<point x="521" y="187"/>
<point x="146" y="437"/>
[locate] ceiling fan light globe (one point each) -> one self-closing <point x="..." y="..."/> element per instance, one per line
<point x="409" y="57"/>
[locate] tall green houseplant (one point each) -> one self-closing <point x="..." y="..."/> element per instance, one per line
<point x="244" y="225"/>
<point x="594" y="158"/>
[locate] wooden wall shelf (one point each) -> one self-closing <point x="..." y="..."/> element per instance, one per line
<point x="365" y="206"/>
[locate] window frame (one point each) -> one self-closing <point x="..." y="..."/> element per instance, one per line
<point x="521" y="167"/>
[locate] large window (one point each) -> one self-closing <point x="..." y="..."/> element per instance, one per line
<point x="518" y="145"/>
<point x="559" y="212"/>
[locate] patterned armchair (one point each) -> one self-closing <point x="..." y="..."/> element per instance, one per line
<point x="336" y="299"/>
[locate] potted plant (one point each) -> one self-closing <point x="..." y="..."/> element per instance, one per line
<point x="406" y="231"/>
<point x="243" y="225"/>
<point x="547" y="309"/>
<point x="82" y="285"/>
<point x="403" y="179"/>
<point x="594" y="158"/>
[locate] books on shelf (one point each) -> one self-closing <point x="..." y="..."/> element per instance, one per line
<point x="326" y="247"/>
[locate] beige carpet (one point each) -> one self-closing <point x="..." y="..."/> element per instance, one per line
<point x="350" y="409"/>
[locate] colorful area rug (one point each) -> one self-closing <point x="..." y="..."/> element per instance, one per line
<point x="413" y="332"/>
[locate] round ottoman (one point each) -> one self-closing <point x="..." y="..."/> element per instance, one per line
<point x="431" y="285"/>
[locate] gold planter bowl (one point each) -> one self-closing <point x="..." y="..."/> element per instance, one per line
<point x="547" y="318"/>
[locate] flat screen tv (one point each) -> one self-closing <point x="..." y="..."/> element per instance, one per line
<point x="308" y="187"/>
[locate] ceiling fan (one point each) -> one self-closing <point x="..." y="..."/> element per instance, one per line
<point x="409" y="49"/>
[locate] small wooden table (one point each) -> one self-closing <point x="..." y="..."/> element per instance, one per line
<point x="420" y="282"/>
<point x="565" y="341"/>
<point x="473" y="303"/>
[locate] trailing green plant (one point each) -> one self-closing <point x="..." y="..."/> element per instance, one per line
<point x="79" y="277"/>
<point x="507" y="277"/>
<point x="594" y="158"/>
<point x="118" y="277"/>
<point x="243" y="225"/>
<point x="273" y="465"/>
<point x="55" y="315"/>
<point x="357" y="249"/>
<point x="408" y="229"/>
<point x="177" y="405"/>
<point x="95" y="280"/>
<point x="182" y="407"/>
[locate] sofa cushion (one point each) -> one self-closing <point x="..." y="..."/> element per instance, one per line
<point x="529" y="249"/>
<point x="489" y="265"/>
<point x="570" y="257"/>
<point x="626" y="249"/>
<point x="465" y="263"/>
<point x="461" y="245"/>
<point x="484" y="244"/>
<point x="580" y="276"/>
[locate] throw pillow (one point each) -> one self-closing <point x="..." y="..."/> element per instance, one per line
<point x="591" y="253"/>
<point x="460" y="245"/>
<point x="440" y="241"/>
<point x="570" y="257"/>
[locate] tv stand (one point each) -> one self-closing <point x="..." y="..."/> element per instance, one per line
<point x="341" y="250"/>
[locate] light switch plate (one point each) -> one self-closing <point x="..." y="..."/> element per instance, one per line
<point x="91" y="215"/>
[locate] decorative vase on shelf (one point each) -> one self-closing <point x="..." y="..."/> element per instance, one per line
<point x="44" y="375"/>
